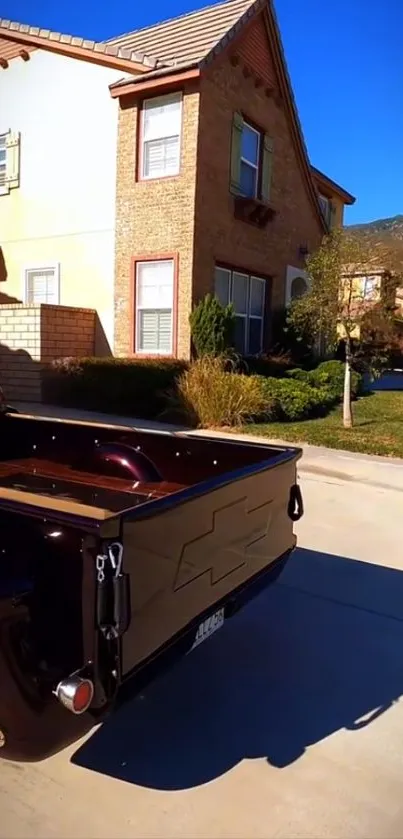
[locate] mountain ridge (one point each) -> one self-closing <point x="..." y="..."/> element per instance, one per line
<point x="393" y="226"/>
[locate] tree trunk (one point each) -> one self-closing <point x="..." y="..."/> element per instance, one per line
<point x="347" y="411"/>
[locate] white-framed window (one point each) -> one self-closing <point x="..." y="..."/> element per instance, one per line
<point x="42" y="284"/>
<point x="154" y="307"/>
<point x="161" y="136"/>
<point x="250" y="161"/>
<point x="247" y="294"/>
<point x="9" y="161"/>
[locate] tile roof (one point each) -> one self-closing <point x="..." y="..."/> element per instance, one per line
<point x="190" y="38"/>
<point x="127" y="52"/>
<point x="10" y="49"/>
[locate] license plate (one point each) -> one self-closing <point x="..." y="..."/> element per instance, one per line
<point x="208" y="627"/>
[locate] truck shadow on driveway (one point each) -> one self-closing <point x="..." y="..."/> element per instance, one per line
<point x="322" y="650"/>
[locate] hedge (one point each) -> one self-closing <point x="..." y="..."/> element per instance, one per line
<point x="290" y="400"/>
<point x="330" y="374"/>
<point x="132" y="387"/>
<point x="157" y="389"/>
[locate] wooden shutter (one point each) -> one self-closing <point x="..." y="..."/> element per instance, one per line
<point x="12" y="179"/>
<point x="236" y="141"/>
<point x="267" y="167"/>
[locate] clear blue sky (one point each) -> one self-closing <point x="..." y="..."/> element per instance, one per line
<point x="346" y="66"/>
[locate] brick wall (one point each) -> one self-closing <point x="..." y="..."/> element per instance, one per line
<point x="66" y="331"/>
<point x="154" y="218"/>
<point x="32" y="336"/>
<point x="218" y="235"/>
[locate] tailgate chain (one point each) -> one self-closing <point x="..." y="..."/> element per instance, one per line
<point x="109" y="607"/>
<point x="116" y="564"/>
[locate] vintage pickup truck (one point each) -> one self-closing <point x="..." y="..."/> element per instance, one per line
<point x="122" y="549"/>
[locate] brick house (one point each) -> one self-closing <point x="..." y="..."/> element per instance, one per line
<point x="215" y="191"/>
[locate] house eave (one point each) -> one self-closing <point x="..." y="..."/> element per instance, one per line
<point x="160" y="80"/>
<point x="335" y="188"/>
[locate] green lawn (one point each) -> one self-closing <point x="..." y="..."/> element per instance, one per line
<point x="378" y="427"/>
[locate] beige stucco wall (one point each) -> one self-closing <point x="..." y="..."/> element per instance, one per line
<point x="63" y="212"/>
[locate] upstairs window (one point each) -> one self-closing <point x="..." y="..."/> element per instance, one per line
<point x="9" y="162"/>
<point x="251" y="160"/>
<point x="327" y="209"/>
<point x="161" y="132"/>
<point x="247" y="295"/>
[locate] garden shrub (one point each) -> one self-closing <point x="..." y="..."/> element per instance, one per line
<point x="330" y="374"/>
<point x="299" y="374"/>
<point x="212" y="327"/>
<point x="291" y="400"/>
<point x="285" y="339"/>
<point x="132" y="387"/>
<point x="208" y="395"/>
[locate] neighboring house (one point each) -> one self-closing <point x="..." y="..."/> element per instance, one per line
<point x="58" y="141"/>
<point x="366" y="289"/>
<point x="189" y="175"/>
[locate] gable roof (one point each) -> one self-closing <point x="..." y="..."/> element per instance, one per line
<point x="195" y="39"/>
<point x="14" y="36"/>
<point x="321" y="178"/>
<point x="188" y="39"/>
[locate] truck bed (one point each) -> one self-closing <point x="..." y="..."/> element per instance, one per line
<point x="199" y="524"/>
<point x="47" y="463"/>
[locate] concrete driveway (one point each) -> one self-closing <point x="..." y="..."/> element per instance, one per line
<point x="286" y="723"/>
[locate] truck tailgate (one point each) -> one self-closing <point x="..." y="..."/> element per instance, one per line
<point x="191" y="555"/>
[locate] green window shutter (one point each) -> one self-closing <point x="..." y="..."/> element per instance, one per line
<point x="236" y="141"/>
<point x="267" y="167"/>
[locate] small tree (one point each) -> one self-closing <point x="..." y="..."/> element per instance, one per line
<point x="212" y="327"/>
<point x="338" y="304"/>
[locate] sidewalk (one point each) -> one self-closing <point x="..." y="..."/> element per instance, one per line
<point x="381" y="472"/>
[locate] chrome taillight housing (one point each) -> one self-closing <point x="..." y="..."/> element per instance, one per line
<point x="75" y="693"/>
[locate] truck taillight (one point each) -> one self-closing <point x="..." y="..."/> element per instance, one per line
<point x="75" y="693"/>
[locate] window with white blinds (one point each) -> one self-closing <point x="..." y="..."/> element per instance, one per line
<point x="161" y="131"/>
<point x="42" y="285"/>
<point x="154" y="307"/>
